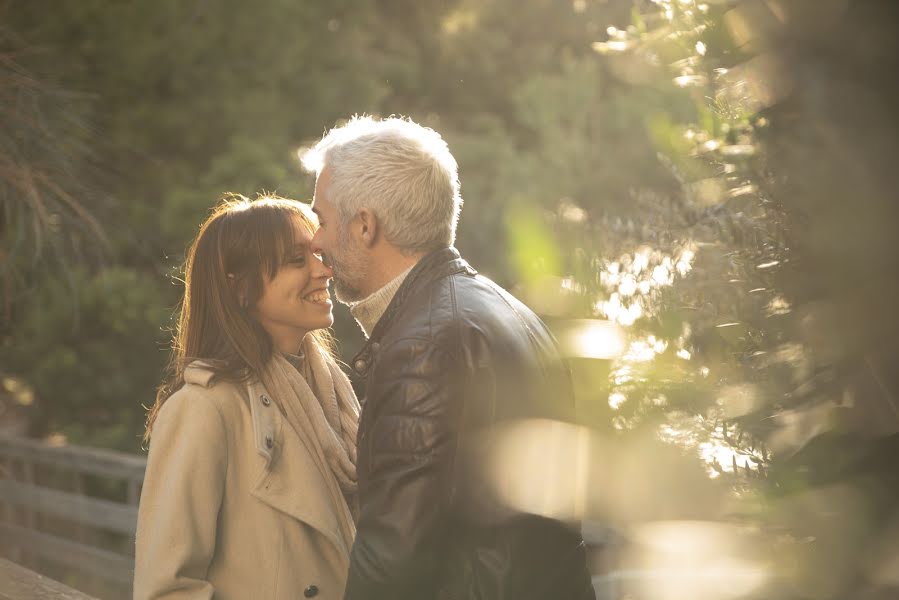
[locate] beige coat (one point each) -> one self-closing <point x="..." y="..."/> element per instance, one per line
<point x="233" y="506"/>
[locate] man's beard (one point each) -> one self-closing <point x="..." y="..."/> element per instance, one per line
<point x="349" y="269"/>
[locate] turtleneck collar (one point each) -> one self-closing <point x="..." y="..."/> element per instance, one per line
<point x="369" y="310"/>
<point x="295" y="359"/>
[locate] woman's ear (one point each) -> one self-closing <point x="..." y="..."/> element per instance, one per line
<point x="368" y="227"/>
<point x="239" y="288"/>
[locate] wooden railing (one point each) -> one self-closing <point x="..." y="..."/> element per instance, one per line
<point x="70" y="512"/>
<point x="19" y="583"/>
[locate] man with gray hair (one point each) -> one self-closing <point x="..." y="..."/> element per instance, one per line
<point x="450" y="359"/>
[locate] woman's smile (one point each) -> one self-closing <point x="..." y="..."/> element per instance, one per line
<point x="319" y="296"/>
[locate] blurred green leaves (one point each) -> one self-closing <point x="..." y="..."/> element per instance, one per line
<point x="534" y="251"/>
<point x="93" y="349"/>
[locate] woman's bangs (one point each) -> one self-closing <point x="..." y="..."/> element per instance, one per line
<point x="275" y="236"/>
<point x="268" y="234"/>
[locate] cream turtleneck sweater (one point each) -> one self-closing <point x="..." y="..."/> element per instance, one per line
<point x="369" y="310"/>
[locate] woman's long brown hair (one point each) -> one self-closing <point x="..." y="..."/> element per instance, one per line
<point x="240" y="243"/>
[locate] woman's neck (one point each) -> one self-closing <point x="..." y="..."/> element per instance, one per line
<point x="288" y="342"/>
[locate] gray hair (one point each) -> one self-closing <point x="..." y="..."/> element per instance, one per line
<point x="401" y="171"/>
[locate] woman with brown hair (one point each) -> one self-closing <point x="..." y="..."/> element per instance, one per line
<point x="251" y="475"/>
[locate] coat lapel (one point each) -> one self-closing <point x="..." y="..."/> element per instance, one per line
<point x="288" y="479"/>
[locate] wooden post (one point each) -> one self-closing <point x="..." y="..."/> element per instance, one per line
<point x="6" y="473"/>
<point x="80" y="531"/>
<point x="29" y="559"/>
<point x="28" y="477"/>
<point x="9" y="509"/>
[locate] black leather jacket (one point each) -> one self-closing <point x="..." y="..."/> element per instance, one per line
<point x="453" y="357"/>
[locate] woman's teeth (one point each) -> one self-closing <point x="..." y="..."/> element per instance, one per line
<point x="321" y="296"/>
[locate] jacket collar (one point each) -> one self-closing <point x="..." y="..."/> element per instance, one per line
<point x="285" y="485"/>
<point x="293" y="486"/>
<point x="436" y="265"/>
<point x="266" y="424"/>
<point x="266" y="421"/>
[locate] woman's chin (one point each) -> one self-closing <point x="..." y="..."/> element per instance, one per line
<point x="326" y="323"/>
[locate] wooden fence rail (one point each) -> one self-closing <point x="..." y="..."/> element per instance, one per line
<point x="21" y="584"/>
<point x="71" y="512"/>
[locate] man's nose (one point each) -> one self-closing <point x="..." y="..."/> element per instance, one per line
<point x="322" y="268"/>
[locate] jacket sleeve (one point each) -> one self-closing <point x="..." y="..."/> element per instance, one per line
<point x="180" y="501"/>
<point x="405" y="483"/>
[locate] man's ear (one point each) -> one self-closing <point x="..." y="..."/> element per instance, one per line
<point x="368" y="227"/>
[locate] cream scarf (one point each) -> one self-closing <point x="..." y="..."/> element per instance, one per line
<point x="319" y="403"/>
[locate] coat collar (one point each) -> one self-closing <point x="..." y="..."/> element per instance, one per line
<point x="436" y="265"/>
<point x="265" y="417"/>
<point x="267" y="421"/>
<point x="293" y="486"/>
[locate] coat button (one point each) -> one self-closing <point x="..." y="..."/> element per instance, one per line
<point x="360" y="365"/>
<point x="269" y="442"/>
<point x="311" y="591"/>
<point x="265" y="400"/>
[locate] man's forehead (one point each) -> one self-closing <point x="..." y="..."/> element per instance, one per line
<point x="319" y="204"/>
<point x="320" y="196"/>
<point x="321" y="201"/>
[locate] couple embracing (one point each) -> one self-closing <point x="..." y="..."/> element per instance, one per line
<point x="265" y="479"/>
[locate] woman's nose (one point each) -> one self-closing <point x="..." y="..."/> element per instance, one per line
<point x="315" y="244"/>
<point x="317" y="249"/>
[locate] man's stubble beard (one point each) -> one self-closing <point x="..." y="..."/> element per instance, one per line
<point x="349" y="269"/>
